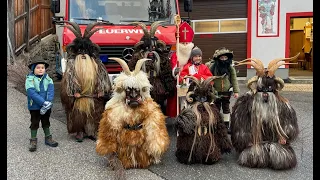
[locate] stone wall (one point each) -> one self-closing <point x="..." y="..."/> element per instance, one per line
<point x="46" y="49"/>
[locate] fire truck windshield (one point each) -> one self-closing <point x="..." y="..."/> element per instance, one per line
<point x="122" y="12"/>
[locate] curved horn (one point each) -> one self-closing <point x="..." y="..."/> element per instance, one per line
<point x="143" y="27"/>
<point x="259" y="70"/>
<point x="252" y="80"/>
<point x="273" y="69"/>
<point x="194" y="79"/>
<point x="280" y="82"/>
<point x="139" y="65"/>
<point x="75" y="26"/>
<point x="188" y="96"/>
<point x="162" y="43"/>
<point x="275" y="61"/>
<point x="123" y="64"/>
<point x="154" y="27"/>
<point x="77" y="34"/>
<point x="257" y="61"/>
<point x="89" y="27"/>
<point x="138" y="44"/>
<point x="92" y="32"/>
<point x="208" y="80"/>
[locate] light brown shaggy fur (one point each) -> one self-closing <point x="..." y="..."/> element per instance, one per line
<point x="135" y="148"/>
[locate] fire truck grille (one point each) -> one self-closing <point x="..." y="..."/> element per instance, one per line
<point x="113" y="51"/>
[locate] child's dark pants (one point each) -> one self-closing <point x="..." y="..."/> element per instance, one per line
<point x="36" y="117"/>
<point x="223" y="102"/>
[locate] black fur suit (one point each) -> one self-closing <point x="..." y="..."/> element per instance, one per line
<point x="201" y="133"/>
<point x="159" y="69"/>
<point x="263" y="123"/>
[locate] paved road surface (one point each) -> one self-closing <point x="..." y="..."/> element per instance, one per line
<point x="72" y="160"/>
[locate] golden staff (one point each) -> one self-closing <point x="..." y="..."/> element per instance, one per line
<point x="177" y="21"/>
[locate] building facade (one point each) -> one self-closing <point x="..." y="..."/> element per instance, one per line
<point x="250" y="28"/>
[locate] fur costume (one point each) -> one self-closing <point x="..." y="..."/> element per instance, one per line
<point x="86" y="76"/>
<point x="263" y="123"/>
<point x="159" y="69"/>
<point x="202" y="134"/>
<point x="132" y="125"/>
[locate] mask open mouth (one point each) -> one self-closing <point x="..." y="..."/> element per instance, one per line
<point x="133" y="97"/>
<point x="265" y="96"/>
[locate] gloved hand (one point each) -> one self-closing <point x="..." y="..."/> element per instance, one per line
<point x="45" y="107"/>
<point x="176" y="71"/>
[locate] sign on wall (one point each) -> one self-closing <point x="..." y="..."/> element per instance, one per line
<point x="268" y="18"/>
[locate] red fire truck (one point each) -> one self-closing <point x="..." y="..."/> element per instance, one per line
<point x="119" y="35"/>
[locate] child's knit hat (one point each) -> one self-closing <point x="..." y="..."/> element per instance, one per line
<point x="195" y="51"/>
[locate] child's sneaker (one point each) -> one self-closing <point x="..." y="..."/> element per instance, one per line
<point x="50" y="142"/>
<point x="33" y="144"/>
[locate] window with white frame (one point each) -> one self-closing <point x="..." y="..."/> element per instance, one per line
<point x="219" y="26"/>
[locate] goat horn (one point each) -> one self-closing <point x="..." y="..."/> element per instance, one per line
<point x="252" y="80"/>
<point x="162" y="43"/>
<point x="208" y="80"/>
<point x="154" y="27"/>
<point x="123" y="64"/>
<point x="93" y="31"/>
<point x="75" y="26"/>
<point x="89" y="28"/>
<point x="272" y="70"/>
<point x="188" y="96"/>
<point x="280" y="82"/>
<point x="75" y="32"/>
<point x="138" y="44"/>
<point x="143" y="26"/>
<point x="139" y="65"/>
<point x="259" y="70"/>
<point x="257" y="61"/>
<point x="194" y="79"/>
<point x="275" y="61"/>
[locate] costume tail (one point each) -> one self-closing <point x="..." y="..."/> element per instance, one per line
<point x="116" y="165"/>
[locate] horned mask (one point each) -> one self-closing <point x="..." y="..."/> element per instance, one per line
<point x="202" y="91"/>
<point x="149" y="41"/>
<point x="82" y="43"/>
<point x="265" y="81"/>
<point x="131" y="86"/>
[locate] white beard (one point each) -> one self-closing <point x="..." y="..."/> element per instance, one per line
<point x="184" y="53"/>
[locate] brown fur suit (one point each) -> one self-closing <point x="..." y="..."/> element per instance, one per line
<point x="86" y="76"/>
<point x="202" y="134"/>
<point x="263" y="123"/>
<point x="132" y="125"/>
<point x="159" y="68"/>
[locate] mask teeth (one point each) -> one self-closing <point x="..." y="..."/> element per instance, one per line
<point x="127" y="101"/>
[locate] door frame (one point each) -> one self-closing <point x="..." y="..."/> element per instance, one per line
<point x="288" y="17"/>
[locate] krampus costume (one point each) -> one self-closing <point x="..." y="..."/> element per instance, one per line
<point x="84" y="84"/>
<point x="263" y="123"/>
<point x="202" y="134"/>
<point x="132" y="126"/>
<point x="159" y="68"/>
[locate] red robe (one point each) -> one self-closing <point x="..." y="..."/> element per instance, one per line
<point x="171" y="109"/>
<point x="203" y="72"/>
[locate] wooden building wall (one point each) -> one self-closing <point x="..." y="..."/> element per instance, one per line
<point x="220" y="9"/>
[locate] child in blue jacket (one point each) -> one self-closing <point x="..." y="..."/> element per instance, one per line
<point x="40" y="92"/>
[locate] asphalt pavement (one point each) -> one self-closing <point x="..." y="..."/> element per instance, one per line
<point x="77" y="161"/>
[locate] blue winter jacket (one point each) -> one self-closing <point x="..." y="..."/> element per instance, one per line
<point x="39" y="90"/>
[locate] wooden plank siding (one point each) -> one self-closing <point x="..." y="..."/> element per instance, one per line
<point x="220" y="9"/>
<point x="32" y="21"/>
